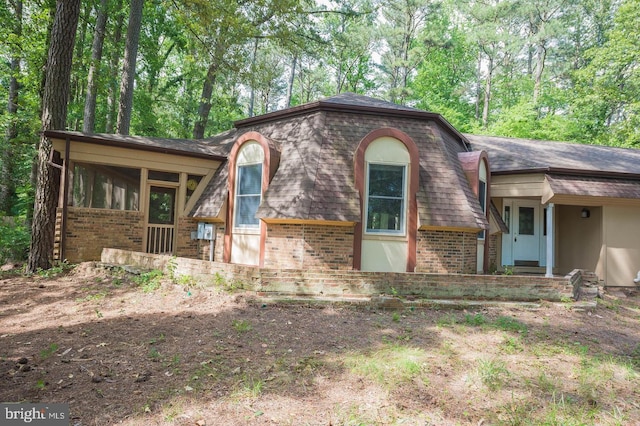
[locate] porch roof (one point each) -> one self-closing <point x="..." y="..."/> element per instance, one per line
<point x="215" y="148"/>
<point x="585" y="186"/>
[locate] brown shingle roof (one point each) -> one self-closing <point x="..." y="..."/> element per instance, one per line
<point x="508" y="155"/>
<point x="213" y="148"/>
<point x="315" y="178"/>
<point x="594" y="186"/>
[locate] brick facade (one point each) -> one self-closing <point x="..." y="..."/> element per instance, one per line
<point x="446" y="252"/>
<point x="292" y="246"/>
<point x="204" y="247"/>
<point x="90" y="230"/>
<point x="493" y="252"/>
<point x="288" y="246"/>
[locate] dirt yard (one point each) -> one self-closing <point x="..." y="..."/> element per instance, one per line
<point x="144" y="352"/>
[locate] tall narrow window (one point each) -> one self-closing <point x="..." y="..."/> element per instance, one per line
<point x="482" y="197"/>
<point x="248" y="195"/>
<point x="386" y="198"/>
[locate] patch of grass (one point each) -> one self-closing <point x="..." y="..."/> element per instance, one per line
<point x="242" y="326"/>
<point x="186" y="281"/>
<point x="229" y="286"/>
<point x="510" y="324"/>
<point x="46" y="353"/>
<point x="248" y="387"/>
<point x="149" y="281"/>
<point x="354" y="415"/>
<point x="41" y="384"/>
<point x="161" y="338"/>
<point x="447" y="320"/>
<point x="492" y="373"/>
<point x="548" y="385"/>
<point x="391" y="365"/>
<point x="56" y="269"/>
<point x="511" y="345"/>
<point x="96" y="297"/>
<point x="395" y="317"/>
<point x="154" y="355"/>
<point x="475" y="320"/>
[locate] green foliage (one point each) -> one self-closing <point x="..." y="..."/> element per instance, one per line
<point x="56" y="269"/>
<point x="511" y="324"/>
<point x="46" y="353"/>
<point x="14" y="239"/>
<point x="242" y="326"/>
<point x="391" y="365"/>
<point x="493" y="373"/>
<point x="475" y="320"/>
<point x="149" y="281"/>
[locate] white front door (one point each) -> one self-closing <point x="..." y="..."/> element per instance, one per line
<point x="524" y="244"/>
<point x="526" y="233"/>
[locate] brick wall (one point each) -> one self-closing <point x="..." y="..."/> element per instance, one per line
<point x="90" y="230"/>
<point x="493" y="252"/>
<point x="204" y="247"/>
<point x="184" y="245"/>
<point x="442" y="252"/>
<point x="309" y="246"/>
<point x="334" y="283"/>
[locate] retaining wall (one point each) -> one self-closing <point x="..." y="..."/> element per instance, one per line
<point x="333" y="283"/>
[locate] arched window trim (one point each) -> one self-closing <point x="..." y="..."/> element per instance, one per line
<point x="360" y="171"/>
<point x="270" y="163"/>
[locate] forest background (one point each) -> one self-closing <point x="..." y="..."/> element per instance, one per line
<point x="540" y="69"/>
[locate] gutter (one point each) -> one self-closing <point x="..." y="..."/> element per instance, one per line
<point x="568" y="172"/>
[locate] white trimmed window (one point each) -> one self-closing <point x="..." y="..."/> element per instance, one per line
<point x="386" y="203"/>
<point x="248" y="195"/>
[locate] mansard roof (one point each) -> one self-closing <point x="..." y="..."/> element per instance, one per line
<point x="315" y="178"/>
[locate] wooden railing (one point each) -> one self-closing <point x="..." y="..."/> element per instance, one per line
<point x="160" y="239"/>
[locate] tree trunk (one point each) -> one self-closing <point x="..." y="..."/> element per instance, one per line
<point x="129" y="67"/>
<point x="487" y="94"/>
<point x="54" y="113"/>
<point x="205" y="102"/>
<point x="252" y="96"/>
<point x="292" y="79"/>
<point x="113" y="67"/>
<point x="541" y="54"/>
<point x="89" y="117"/>
<point x="77" y="78"/>
<point x="7" y="175"/>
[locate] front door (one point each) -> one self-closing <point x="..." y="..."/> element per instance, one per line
<point x="521" y="246"/>
<point x="526" y="233"/>
<point x="161" y="220"/>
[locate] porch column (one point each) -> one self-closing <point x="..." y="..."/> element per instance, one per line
<point x="550" y="245"/>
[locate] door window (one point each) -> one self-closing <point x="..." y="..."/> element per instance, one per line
<point x="526" y="220"/>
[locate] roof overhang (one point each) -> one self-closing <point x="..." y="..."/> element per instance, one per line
<point x="594" y="190"/>
<point x="184" y="147"/>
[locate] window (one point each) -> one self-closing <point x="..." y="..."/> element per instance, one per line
<point x="482" y="197"/>
<point x="526" y="221"/>
<point x="248" y="195"/>
<point x="507" y="218"/>
<point x="386" y="198"/>
<point x="105" y="187"/>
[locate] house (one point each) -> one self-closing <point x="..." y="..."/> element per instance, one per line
<point x="352" y="182"/>
<point x="566" y="206"/>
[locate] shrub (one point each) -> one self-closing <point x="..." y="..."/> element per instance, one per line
<point x="14" y="239"/>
